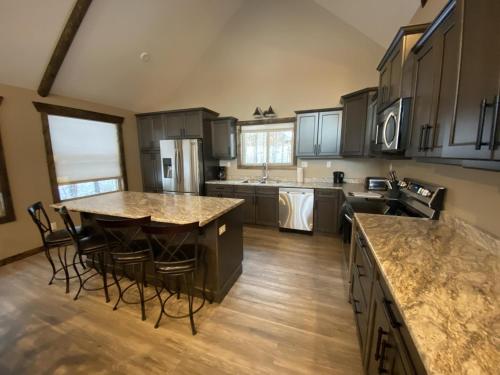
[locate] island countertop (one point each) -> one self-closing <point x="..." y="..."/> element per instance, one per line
<point x="165" y="208"/>
<point x="445" y="281"/>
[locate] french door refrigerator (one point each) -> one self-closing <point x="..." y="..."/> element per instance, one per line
<point x="182" y="166"/>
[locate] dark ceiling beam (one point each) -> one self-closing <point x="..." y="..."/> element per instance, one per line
<point x="62" y="47"/>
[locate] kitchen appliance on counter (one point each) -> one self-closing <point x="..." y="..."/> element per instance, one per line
<point x="221" y="173"/>
<point x="376" y="183"/>
<point x="182" y="166"/>
<point x="393" y="126"/>
<point x="296" y="209"/>
<point x="415" y="198"/>
<point x="338" y="177"/>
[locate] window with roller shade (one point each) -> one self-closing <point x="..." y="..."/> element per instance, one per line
<point x="270" y="143"/>
<point x="86" y="156"/>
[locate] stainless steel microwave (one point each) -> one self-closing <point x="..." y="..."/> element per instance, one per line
<point x="393" y="126"/>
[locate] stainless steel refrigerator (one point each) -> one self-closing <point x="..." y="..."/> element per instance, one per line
<point x="182" y="166"/>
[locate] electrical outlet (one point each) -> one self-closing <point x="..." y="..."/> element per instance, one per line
<point x="53" y="225"/>
<point x="390" y="166"/>
<point x="222" y="229"/>
<point x="303" y="164"/>
<point x="328" y="164"/>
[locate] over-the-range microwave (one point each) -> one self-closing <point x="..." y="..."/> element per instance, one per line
<point x="393" y="125"/>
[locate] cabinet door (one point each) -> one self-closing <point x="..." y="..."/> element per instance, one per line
<point x="266" y="210"/>
<point x="396" y="62"/>
<point x="329" y="129"/>
<point x="174" y="123"/>
<point x="223" y="139"/>
<point x="248" y="207"/>
<point x="307" y="132"/>
<point x="145" y="132"/>
<point x="158" y="130"/>
<point x="354" y="125"/>
<point x="384" y="84"/>
<point x="151" y="171"/>
<point x="193" y="125"/>
<point x="478" y="81"/>
<point x="326" y="211"/>
<point x="426" y="72"/>
<point x="360" y="310"/>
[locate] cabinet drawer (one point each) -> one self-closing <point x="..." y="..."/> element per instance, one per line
<point x="266" y="190"/>
<point x="244" y="189"/>
<point x="326" y="193"/>
<point x="360" y="309"/>
<point x="226" y="188"/>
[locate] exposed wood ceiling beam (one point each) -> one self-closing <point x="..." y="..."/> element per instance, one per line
<point x="62" y="47"/>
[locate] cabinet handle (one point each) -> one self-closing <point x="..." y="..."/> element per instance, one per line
<point x="376" y="133"/>
<point x="480" y="129"/>
<point x="380" y="368"/>
<point x="494" y="125"/>
<point x="380" y="334"/>
<point x="390" y="314"/>
<point x="422" y="129"/>
<point x="359" y="267"/>
<point x="355" y="301"/>
<point x="426" y="137"/>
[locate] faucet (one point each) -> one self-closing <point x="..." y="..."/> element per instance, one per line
<point x="265" y="173"/>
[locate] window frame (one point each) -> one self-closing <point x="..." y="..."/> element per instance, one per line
<point x="5" y="186"/>
<point x="271" y="121"/>
<point x="46" y="109"/>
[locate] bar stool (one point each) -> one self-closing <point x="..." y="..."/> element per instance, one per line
<point x="177" y="257"/>
<point x="88" y="246"/>
<point x="127" y="250"/>
<point x="54" y="239"/>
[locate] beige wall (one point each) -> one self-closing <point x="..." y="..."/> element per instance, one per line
<point x="21" y="131"/>
<point x="473" y="195"/>
<point x="289" y="54"/>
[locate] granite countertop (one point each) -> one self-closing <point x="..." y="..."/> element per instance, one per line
<point x="166" y="208"/>
<point x="347" y="187"/>
<point x="445" y="281"/>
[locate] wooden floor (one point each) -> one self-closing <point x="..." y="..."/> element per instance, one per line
<point x="287" y="314"/>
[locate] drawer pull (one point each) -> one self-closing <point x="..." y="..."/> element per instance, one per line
<point x="380" y="334"/>
<point x="354" y="302"/>
<point x="359" y="267"/>
<point x="381" y="369"/>
<point x="390" y="314"/>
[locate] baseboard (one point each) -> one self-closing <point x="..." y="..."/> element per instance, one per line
<point x="24" y="254"/>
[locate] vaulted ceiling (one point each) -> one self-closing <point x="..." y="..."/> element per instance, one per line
<point x="103" y="62"/>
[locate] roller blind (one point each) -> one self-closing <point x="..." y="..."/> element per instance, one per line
<point x="272" y="144"/>
<point x="84" y="150"/>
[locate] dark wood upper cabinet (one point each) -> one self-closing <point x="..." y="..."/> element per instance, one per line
<point x="474" y="131"/>
<point x="174" y="123"/>
<point x="356" y="123"/>
<point x="151" y="171"/>
<point x="224" y="138"/>
<point x="318" y="133"/>
<point x="393" y="83"/>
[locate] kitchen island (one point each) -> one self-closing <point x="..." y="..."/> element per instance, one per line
<point x="220" y="221"/>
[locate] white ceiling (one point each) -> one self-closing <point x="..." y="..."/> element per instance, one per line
<point x="103" y="62"/>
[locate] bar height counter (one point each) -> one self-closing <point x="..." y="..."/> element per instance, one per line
<point x="220" y="221"/>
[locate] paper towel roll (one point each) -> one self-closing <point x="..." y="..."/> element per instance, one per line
<point x="300" y="174"/>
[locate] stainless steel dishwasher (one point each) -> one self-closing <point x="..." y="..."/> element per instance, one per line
<point x="296" y="209"/>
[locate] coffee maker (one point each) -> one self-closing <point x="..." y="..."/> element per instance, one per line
<point x="221" y="173"/>
<point x="338" y="177"/>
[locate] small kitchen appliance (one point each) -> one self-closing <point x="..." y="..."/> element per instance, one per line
<point x="221" y="173"/>
<point x="338" y="177"/>
<point x="392" y="127"/>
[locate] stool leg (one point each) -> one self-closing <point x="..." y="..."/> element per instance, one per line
<point x="66" y="268"/>
<point x="104" y="276"/>
<point x="158" y="294"/>
<point x="81" y="261"/>
<point x="117" y="282"/>
<point x="140" y="286"/>
<point x="189" y="282"/>
<point x="52" y="265"/>
<point x="77" y="273"/>
<point x="63" y="265"/>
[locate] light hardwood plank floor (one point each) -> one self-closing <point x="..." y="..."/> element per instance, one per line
<point x="286" y="314"/>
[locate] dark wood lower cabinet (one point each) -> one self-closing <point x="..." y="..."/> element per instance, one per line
<point x="248" y="207"/>
<point x="326" y="210"/>
<point x="266" y="209"/>
<point x="386" y="346"/>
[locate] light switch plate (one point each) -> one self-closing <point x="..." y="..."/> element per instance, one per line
<point x="222" y="229"/>
<point x="303" y="164"/>
<point x="328" y="164"/>
<point x="53" y="225"/>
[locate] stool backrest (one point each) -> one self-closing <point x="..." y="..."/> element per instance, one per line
<point x="170" y="241"/>
<point x="40" y="218"/>
<point x="122" y="234"/>
<point x="68" y="222"/>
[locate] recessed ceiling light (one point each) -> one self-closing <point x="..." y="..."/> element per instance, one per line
<point x="144" y="56"/>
